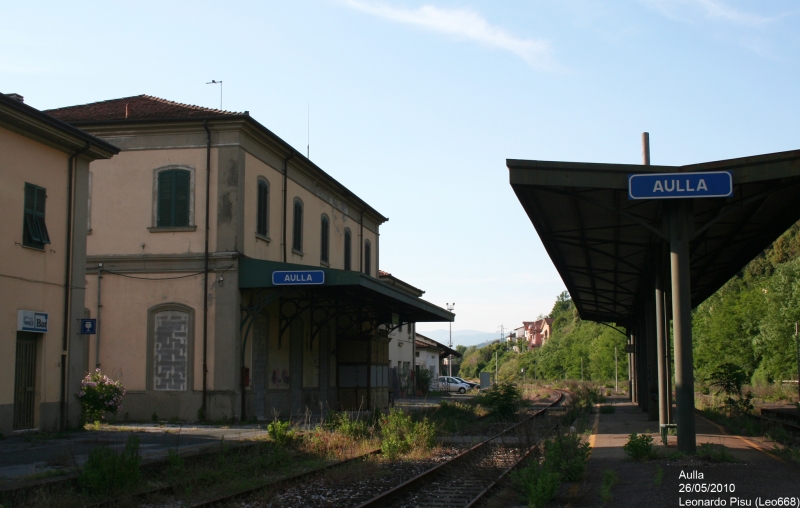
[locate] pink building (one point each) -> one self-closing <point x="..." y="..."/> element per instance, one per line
<point x="537" y="332"/>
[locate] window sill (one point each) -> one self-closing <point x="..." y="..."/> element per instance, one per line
<point x="324" y="263"/>
<point x="33" y="247"/>
<point x="89" y="231"/>
<point x="171" y="229"/>
<point x="298" y="252"/>
<point x="263" y="238"/>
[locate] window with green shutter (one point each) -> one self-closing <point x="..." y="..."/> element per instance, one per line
<point x="34" y="229"/>
<point x="173" y="198"/>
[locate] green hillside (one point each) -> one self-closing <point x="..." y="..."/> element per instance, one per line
<point x="750" y="321"/>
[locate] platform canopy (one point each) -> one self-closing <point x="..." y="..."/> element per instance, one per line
<point x="606" y="247"/>
<point x="343" y="292"/>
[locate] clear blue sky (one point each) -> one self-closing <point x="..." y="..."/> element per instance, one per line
<point x="415" y="105"/>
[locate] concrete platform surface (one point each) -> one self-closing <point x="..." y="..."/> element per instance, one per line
<point x="756" y="478"/>
<point x="27" y="456"/>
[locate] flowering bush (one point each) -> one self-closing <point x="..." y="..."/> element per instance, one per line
<point x="100" y="395"/>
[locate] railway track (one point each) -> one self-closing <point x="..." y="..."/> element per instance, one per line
<point x="467" y="478"/>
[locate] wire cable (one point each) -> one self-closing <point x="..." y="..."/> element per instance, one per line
<point x="166" y="278"/>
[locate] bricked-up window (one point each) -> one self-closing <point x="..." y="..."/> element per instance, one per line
<point x="347" y="250"/>
<point x="297" y="229"/>
<point x="174" y="187"/>
<point x="34" y="229"/>
<point x="263" y="208"/>
<point x="324" y="241"/>
<point x="171" y="351"/>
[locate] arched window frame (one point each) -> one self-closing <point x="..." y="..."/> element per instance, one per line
<point x="348" y="249"/>
<point x="367" y="257"/>
<point x="325" y="240"/>
<point x="262" y="208"/>
<point x="191" y="226"/>
<point x="151" y="322"/>
<point x="297" y="226"/>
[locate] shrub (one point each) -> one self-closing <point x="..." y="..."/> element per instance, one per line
<point x="280" y="432"/>
<point x="99" y="395"/>
<point x="567" y="455"/>
<point x="538" y="482"/>
<point x="342" y="423"/>
<point x="424" y="379"/>
<point x="640" y="447"/>
<point x="400" y="434"/>
<point x="106" y="470"/>
<point x="504" y="400"/>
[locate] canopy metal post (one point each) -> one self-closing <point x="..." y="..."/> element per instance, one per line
<point x="663" y="388"/>
<point x="680" y="219"/>
<point x="632" y="368"/>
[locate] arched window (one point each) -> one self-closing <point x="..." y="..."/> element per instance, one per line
<point x="262" y="219"/>
<point x="368" y="258"/>
<point x="170" y="348"/>
<point x="174" y="196"/>
<point x="297" y="229"/>
<point x="324" y="242"/>
<point x="347" y="250"/>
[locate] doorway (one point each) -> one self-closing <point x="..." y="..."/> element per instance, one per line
<point x="25" y="381"/>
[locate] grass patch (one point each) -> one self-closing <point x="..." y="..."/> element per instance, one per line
<point x="107" y="471"/>
<point x="715" y="453"/>
<point x="659" y="477"/>
<point x="610" y="479"/>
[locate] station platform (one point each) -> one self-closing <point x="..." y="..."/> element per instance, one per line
<point x="756" y="478"/>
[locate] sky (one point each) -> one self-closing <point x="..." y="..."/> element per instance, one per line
<point x="416" y="105"/>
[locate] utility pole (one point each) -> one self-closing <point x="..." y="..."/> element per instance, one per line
<point x="616" y="371"/>
<point x="495" y="367"/>
<point x="450" y="307"/>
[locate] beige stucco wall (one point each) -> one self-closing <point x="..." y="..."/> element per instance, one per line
<point x="124" y="321"/>
<point x="122" y="203"/>
<point x="316" y="202"/>
<point x="32" y="279"/>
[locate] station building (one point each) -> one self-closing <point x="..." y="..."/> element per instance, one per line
<point x="231" y="277"/>
<point x="44" y="172"/>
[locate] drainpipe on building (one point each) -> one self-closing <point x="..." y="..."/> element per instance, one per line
<point x="97" y="328"/>
<point x="285" y="181"/>
<point x="67" y="283"/>
<point x="204" y="406"/>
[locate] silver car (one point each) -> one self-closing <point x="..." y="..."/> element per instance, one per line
<point x="451" y="384"/>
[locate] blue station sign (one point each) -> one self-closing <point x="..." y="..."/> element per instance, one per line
<point x="298" y="277"/>
<point x="712" y="184"/>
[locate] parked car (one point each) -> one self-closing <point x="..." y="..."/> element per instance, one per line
<point x="470" y="383"/>
<point x="451" y="384"/>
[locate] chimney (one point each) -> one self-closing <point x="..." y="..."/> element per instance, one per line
<point x="16" y="96"/>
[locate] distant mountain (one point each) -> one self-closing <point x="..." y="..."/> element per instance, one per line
<point x="462" y="337"/>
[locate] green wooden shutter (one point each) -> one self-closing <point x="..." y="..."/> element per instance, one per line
<point x="165" y="193"/>
<point x="41" y="196"/>
<point x="181" y="200"/>
<point x="34" y="230"/>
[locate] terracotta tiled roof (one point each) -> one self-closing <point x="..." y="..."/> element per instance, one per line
<point x="139" y="107"/>
<point x="383" y="274"/>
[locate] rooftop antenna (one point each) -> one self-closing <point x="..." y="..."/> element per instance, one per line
<point x="215" y="82"/>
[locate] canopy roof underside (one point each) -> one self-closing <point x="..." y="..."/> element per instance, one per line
<point x="607" y="248"/>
